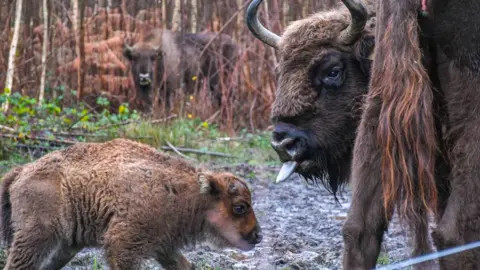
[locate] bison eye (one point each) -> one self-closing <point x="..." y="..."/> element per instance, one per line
<point x="334" y="74"/>
<point x="240" y="209"/>
<point x="333" y="77"/>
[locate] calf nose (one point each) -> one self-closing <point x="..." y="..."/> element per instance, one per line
<point x="256" y="236"/>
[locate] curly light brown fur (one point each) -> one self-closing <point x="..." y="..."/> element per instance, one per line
<point x="125" y="196"/>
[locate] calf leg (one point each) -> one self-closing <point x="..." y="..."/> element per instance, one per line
<point x="38" y="247"/>
<point x="175" y="261"/>
<point x="124" y="249"/>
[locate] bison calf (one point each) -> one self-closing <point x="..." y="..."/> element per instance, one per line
<point x="126" y="197"/>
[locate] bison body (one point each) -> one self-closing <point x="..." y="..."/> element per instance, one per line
<point x="124" y="196"/>
<point x="164" y="61"/>
<point x="417" y="148"/>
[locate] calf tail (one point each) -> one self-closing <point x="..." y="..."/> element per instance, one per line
<point x="6" y="207"/>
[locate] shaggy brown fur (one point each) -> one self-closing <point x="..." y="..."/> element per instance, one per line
<point x="419" y="134"/>
<point x="321" y="84"/>
<point x="125" y="196"/>
<point x="157" y="61"/>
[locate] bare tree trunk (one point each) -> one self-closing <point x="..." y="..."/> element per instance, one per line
<point x="44" y="52"/>
<point x="240" y="20"/>
<point x="164" y="14"/>
<point x="109" y="5"/>
<point x="305" y="8"/>
<point x="12" y="53"/>
<point x="267" y="19"/>
<point x="194" y="16"/>
<point x="78" y="10"/>
<point x="126" y="23"/>
<point x="177" y="15"/>
<point x="285" y="9"/>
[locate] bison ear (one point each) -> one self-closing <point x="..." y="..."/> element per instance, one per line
<point x="363" y="50"/>
<point x="208" y="184"/>
<point x="159" y="51"/>
<point x="127" y="52"/>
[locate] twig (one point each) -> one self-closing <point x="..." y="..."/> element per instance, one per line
<point x="195" y="151"/>
<point x="177" y="151"/>
<point x="80" y="134"/>
<point x="69" y="142"/>
<point x="7" y="128"/>
<point x="223" y="27"/>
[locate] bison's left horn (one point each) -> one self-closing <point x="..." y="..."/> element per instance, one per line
<point x="257" y="29"/>
<point x="359" y="19"/>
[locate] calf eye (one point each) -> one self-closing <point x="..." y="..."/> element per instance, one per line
<point x="240" y="209"/>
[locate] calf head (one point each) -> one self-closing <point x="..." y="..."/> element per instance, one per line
<point x="231" y="219"/>
<point x="323" y="74"/>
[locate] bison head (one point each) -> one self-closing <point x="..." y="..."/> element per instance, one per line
<point x="323" y="74"/>
<point x="142" y="57"/>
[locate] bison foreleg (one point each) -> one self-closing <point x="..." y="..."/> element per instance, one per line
<point x="364" y="228"/>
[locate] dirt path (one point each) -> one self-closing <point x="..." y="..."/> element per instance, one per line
<point x="301" y="225"/>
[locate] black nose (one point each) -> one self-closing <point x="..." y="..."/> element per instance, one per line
<point x="256" y="236"/>
<point x="288" y="142"/>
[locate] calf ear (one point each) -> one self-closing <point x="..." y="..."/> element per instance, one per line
<point x="208" y="184"/>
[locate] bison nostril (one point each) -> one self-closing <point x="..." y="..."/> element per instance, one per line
<point x="278" y="136"/>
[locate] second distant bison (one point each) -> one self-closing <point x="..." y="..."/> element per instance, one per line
<point x="164" y="50"/>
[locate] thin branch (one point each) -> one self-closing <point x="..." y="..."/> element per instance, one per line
<point x="7" y="128"/>
<point x="139" y="120"/>
<point x="177" y="151"/>
<point x="223" y="28"/>
<point x="11" y="136"/>
<point x="200" y="152"/>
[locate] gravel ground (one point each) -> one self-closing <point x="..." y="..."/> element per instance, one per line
<point x="301" y="225"/>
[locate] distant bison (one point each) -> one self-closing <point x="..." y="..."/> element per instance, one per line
<point x="165" y="50"/>
<point x="125" y="196"/>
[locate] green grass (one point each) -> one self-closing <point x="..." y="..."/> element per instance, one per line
<point x="195" y="134"/>
<point x="383" y="259"/>
<point x="253" y="149"/>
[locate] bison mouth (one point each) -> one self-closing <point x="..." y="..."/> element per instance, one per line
<point x="331" y="170"/>
<point x="144" y="82"/>
<point x="144" y="79"/>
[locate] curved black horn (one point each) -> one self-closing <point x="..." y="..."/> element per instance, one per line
<point x="359" y="19"/>
<point x="257" y="29"/>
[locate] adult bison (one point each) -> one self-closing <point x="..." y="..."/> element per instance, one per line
<point x="177" y="57"/>
<point x="418" y="143"/>
<point x="323" y="74"/>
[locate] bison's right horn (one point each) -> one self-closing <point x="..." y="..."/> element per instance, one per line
<point x="257" y="29"/>
<point x="359" y="19"/>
